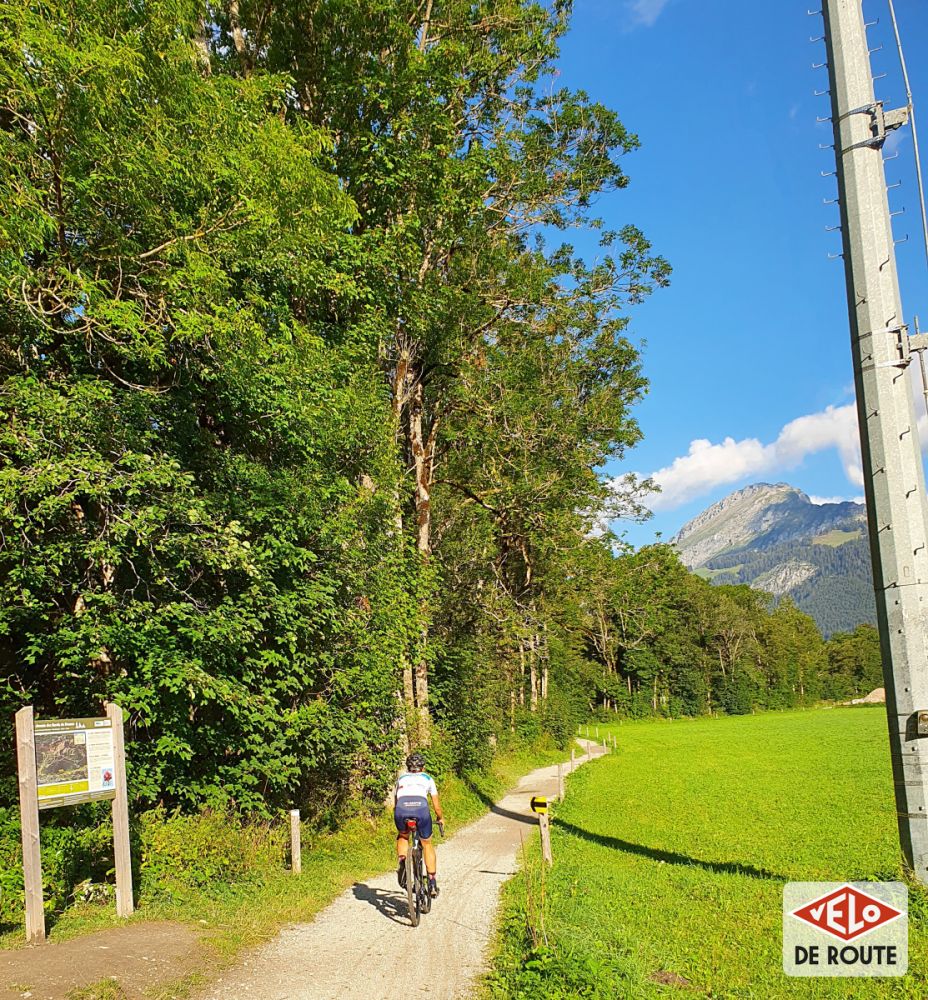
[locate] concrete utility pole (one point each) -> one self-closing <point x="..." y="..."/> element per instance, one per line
<point x="894" y="479"/>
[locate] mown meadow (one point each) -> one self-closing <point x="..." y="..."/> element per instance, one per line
<point x="671" y="854"/>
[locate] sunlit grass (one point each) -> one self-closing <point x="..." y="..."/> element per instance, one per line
<point x="671" y="854"/>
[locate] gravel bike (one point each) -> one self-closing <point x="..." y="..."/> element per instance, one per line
<point x="417" y="883"/>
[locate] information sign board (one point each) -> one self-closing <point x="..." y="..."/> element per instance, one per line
<point x="75" y="761"/>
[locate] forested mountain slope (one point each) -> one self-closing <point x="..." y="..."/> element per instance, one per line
<point x="774" y="538"/>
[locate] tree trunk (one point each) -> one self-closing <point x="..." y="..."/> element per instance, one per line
<point x="422" y="460"/>
<point x="544" y="669"/>
<point x="533" y="675"/>
<point x="521" y="674"/>
<point x="202" y="49"/>
<point x="422" y="452"/>
<point x="399" y="389"/>
<point x="238" y="38"/>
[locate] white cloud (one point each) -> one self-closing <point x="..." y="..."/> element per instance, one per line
<point x="707" y="465"/>
<point x="893" y="141"/>
<point x="645" y="12"/>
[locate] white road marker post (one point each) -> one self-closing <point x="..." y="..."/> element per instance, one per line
<point x="296" y="851"/>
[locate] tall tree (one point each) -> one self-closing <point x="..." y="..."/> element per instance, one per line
<point x="454" y="143"/>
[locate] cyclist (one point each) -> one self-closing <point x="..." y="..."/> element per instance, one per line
<point x="411" y="801"/>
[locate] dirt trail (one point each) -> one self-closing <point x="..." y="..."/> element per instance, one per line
<point x="137" y="957"/>
<point x="362" y="946"/>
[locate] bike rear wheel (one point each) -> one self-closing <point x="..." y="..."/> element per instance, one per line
<point x="425" y="898"/>
<point x="412" y="886"/>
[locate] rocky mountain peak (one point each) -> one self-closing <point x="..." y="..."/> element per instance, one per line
<point x="773" y="537"/>
<point x="759" y="515"/>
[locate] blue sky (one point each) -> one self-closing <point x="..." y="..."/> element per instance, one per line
<point x="748" y="351"/>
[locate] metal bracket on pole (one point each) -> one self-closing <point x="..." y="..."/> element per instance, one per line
<point x="881" y="122"/>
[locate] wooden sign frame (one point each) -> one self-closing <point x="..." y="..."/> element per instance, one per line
<point x="29" y="816"/>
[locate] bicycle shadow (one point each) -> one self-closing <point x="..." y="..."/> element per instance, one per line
<point x="390" y="904"/>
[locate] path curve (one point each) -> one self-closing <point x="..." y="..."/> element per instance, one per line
<point x="359" y="946"/>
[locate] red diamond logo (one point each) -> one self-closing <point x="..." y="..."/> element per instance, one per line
<point x="847" y="913"/>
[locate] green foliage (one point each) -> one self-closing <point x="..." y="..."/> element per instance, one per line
<point x="855" y="665"/>
<point x="301" y="395"/>
<point x="77" y="850"/>
<point x="184" y="427"/>
<point x="11" y="867"/>
<point x="663" y="641"/>
<point x="210" y="850"/>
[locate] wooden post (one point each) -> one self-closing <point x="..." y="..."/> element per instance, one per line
<point x="597" y="732"/>
<point x="604" y="743"/>
<point x="29" y="819"/>
<point x="121" y="848"/>
<point x="545" y="838"/>
<point x="560" y="783"/>
<point x="572" y="764"/>
<point x="615" y="746"/>
<point x="296" y="851"/>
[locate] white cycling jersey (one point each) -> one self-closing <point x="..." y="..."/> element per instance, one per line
<point x="415" y="785"/>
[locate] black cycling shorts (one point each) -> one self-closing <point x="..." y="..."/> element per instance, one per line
<point x="417" y="809"/>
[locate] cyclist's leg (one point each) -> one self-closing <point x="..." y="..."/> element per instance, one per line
<point x="428" y="849"/>
<point x="402" y="846"/>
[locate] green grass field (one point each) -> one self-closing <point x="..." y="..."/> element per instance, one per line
<point x="671" y="854"/>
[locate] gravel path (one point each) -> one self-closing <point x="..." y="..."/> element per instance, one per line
<point x="362" y="945"/>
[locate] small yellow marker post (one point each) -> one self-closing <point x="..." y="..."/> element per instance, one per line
<point x="540" y="807"/>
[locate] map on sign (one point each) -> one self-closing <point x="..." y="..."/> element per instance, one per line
<point x="74" y="761"/>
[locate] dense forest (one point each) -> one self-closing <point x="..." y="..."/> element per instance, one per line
<point x="839" y="592"/>
<point x="306" y="398"/>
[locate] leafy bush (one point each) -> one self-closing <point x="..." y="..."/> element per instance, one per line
<point x="75" y="854"/>
<point x="209" y="850"/>
<point x="11" y="868"/>
<point x="77" y="849"/>
<point x="441" y="755"/>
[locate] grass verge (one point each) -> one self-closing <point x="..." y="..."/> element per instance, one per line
<point x="671" y="854"/>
